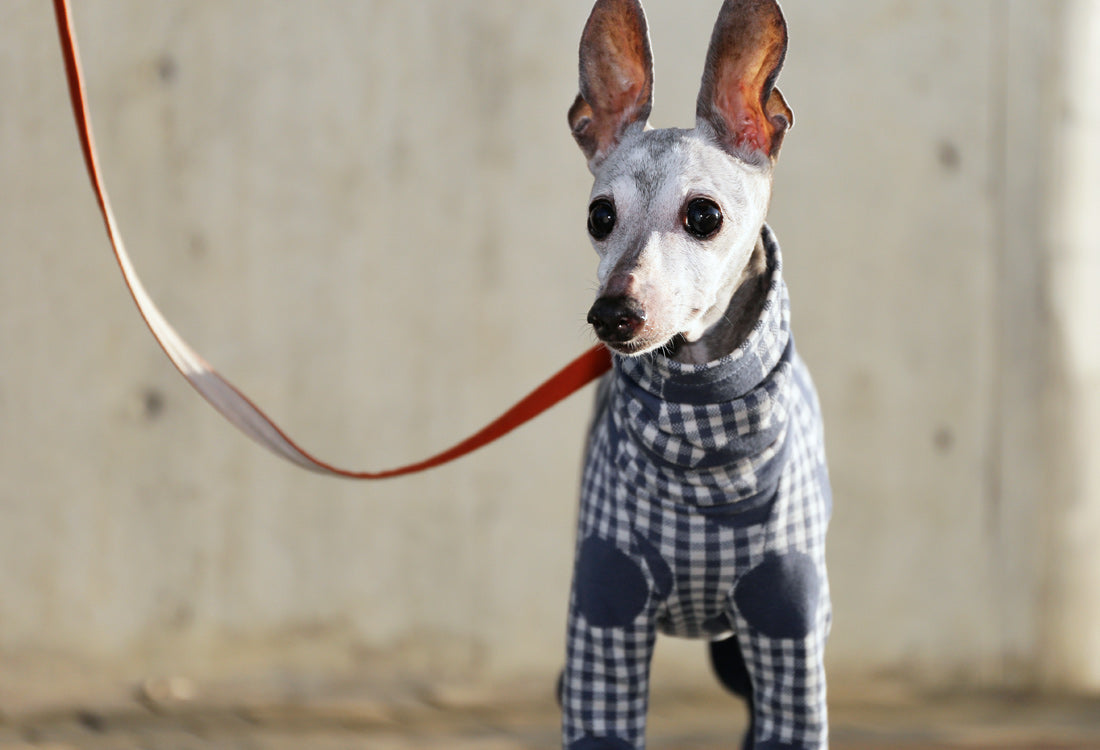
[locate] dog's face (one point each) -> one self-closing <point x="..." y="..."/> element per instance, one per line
<point x="674" y="219"/>
<point x="675" y="214"/>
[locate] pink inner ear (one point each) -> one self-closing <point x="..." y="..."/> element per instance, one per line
<point x="616" y="70"/>
<point x="615" y="84"/>
<point x="748" y="128"/>
<point x="746" y="52"/>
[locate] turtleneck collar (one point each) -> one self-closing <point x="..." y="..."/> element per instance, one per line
<point x="734" y="375"/>
<point x="720" y="426"/>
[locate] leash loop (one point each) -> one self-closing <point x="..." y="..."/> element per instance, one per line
<point x="231" y="402"/>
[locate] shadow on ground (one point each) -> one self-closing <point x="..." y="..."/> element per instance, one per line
<point x="678" y="722"/>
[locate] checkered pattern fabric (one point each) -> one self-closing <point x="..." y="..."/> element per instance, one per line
<point x="704" y="504"/>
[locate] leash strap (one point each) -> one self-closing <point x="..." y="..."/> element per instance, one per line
<point x="233" y="404"/>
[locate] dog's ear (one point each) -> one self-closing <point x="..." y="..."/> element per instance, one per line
<point x="616" y="81"/>
<point x="738" y="98"/>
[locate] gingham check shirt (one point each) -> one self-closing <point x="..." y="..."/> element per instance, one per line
<point x="704" y="502"/>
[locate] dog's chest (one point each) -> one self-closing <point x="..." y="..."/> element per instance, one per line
<point x="700" y="472"/>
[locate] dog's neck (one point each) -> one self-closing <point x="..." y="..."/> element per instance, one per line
<point x="746" y="304"/>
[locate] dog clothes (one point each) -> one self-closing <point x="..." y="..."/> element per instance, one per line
<point x="704" y="503"/>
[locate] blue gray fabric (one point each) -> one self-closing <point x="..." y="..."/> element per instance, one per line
<point x="704" y="504"/>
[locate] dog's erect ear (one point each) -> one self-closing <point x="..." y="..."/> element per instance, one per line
<point x="738" y="97"/>
<point x="616" y="77"/>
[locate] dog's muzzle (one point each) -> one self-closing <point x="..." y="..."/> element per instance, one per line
<point x="616" y="320"/>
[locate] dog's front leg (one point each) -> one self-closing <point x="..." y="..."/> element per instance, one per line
<point x="605" y="689"/>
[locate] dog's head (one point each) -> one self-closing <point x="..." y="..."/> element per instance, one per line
<point x="675" y="214"/>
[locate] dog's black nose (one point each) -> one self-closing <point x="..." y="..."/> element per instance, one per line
<point x="616" y="320"/>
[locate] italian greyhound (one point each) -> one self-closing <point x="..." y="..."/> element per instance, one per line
<point x="705" y="494"/>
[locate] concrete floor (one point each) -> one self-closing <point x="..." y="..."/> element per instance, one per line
<point x="350" y="722"/>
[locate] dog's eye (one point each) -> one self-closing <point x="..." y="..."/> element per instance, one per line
<point x="703" y="218"/>
<point x="601" y="219"/>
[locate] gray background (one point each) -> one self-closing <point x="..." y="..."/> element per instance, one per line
<point x="370" y="215"/>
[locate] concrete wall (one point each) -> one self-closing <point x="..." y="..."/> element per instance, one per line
<point x="370" y="216"/>
<point x="1071" y="636"/>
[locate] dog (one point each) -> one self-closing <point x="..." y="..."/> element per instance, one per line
<point x="705" y="494"/>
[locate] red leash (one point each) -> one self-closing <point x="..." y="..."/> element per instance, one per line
<point x="223" y="395"/>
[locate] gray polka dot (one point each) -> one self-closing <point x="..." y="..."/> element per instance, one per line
<point x="611" y="588"/>
<point x="780" y="596"/>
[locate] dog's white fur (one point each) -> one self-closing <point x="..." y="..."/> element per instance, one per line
<point x="684" y="284"/>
